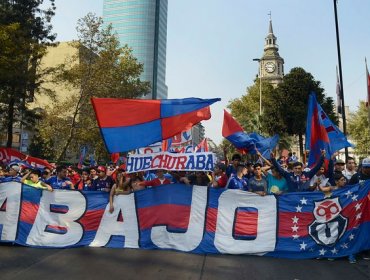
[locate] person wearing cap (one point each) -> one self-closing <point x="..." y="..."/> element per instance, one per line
<point x="60" y="181"/>
<point x="339" y="166"/>
<point x="298" y="180"/>
<point x="13" y="173"/>
<point x="363" y="174"/>
<point x="219" y="178"/>
<point x="104" y="182"/>
<point x="238" y="181"/>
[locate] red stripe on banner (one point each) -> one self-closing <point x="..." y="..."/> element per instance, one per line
<point x="114" y="112"/>
<point x="356" y="213"/>
<point x="176" y="216"/>
<point x="211" y="221"/>
<point x="174" y="125"/>
<point x="91" y="220"/>
<point x="246" y="223"/>
<point x="289" y="225"/>
<point x="29" y="212"/>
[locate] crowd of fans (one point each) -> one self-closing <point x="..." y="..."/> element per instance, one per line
<point x="262" y="177"/>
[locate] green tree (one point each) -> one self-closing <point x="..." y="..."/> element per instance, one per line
<point x="246" y="108"/>
<point x="359" y="130"/>
<point x="25" y="32"/>
<point x="104" y="69"/>
<point x="287" y="111"/>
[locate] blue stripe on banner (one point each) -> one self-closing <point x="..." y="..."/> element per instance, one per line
<point x="179" y="195"/>
<point x="116" y="241"/>
<point x="131" y="137"/>
<point x="30" y="194"/>
<point x="23" y="232"/>
<point x="96" y="200"/>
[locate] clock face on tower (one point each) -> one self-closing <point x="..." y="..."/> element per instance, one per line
<point x="270" y="67"/>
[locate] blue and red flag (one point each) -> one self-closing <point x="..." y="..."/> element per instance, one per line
<point x="202" y="146"/>
<point x="128" y="124"/>
<point x="322" y="133"/>
<point x="247" y="143"/>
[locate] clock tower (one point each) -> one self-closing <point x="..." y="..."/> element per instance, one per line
<point x="271" y="63"/>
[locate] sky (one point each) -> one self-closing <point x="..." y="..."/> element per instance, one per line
<point x="211" y="45"/>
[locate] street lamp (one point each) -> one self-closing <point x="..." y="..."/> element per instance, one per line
<point x="259" y="75"/>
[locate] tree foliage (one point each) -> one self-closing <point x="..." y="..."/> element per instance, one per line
<point x="359" y="130"/>
<point x="25" y="32"/>
<point x="284" y="109"/>
<point x="103" y="69"/>
<point x="288" y="105"/>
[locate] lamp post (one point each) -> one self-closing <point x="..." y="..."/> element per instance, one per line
<point x="259" y="76"/>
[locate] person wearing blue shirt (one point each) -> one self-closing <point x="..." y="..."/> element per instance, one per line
<point x="60" y="181"/>
<point x="299" y="180"/>
<point x="238" y="181"/>
<point x="232" y="168"/>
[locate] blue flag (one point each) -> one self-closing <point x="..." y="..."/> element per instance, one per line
<point x="322" y="133"/>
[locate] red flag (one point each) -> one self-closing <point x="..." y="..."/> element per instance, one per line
<point x="202" y="146"/>
<point x="9" y="154"/>
<point x="115" y="157"/>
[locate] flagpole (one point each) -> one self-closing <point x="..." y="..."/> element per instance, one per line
<point x="340" y="75"/>
<point x="367" y="102"/>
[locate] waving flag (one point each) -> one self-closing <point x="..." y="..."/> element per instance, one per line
<point x="248" y="143"/>
<point x="128" y="124"/>
<point x="233" y="132"/>
<point x="322" y="133"/>
<point x="8" y="154"/>
<point x="202" y="146"/>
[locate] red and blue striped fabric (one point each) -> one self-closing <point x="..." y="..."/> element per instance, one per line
<point x="322" y="133"/>
<point x="128" y="124"/>
<point x="247" y="143"/>
<point x="304" y="225"/>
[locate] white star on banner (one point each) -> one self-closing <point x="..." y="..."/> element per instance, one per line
<point x="304" y="201"/>
<point x="351" y="236"/>
<point x="354" y="197"/>
<point x="348" y="193"/>
<point x="358" y="206"/>
<point x="295" y="236"/>
<point x="295" y="228"/>
<point x="322" y="252"/>
<point x="295" y="220"/>
<point x="299" y="208"/>
<point x="311" y="250"/>
<point x="358" y="216"/>
<point x="344" y="246"/>
<point x="334" y="251"/>
<point x="303" y="246"/>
